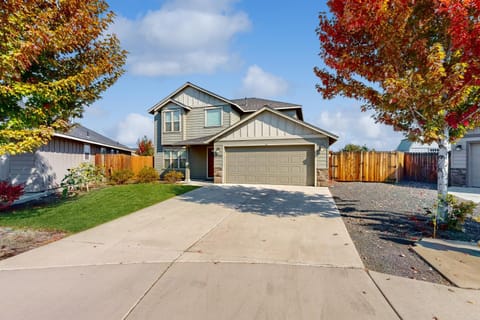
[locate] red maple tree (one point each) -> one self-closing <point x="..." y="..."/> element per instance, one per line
<point x="414" y="63"/>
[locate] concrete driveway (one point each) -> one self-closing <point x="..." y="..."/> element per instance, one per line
<point x="219" y="252"/>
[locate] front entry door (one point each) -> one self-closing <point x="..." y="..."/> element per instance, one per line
<point x="210" y="158"/>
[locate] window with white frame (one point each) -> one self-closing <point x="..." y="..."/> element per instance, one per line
<point x="174" y="159"/>
<point x="86" y="151"/>
<point x="172" y="121"/>
<point x="213" y="117"/>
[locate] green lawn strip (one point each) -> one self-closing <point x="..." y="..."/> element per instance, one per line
<point x="91" y="209"/>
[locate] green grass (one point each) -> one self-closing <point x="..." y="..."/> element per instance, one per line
<point x="91" y="209"/>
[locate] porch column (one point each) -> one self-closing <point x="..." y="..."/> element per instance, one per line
<point x="187" y="165"/>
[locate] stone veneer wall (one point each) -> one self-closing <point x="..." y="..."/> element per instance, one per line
<point x="458" y="177"/>
<point x="322" y="177"/>
<point x="217" y="175"/>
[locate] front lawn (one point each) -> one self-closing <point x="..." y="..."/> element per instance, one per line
<point x="91" y="209"/>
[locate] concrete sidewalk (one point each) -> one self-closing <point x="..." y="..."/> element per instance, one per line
<point x="219" y="252"/>
<point x="472" y="194"/>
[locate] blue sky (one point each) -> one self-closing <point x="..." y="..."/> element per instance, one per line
<point x="235" y="48"/>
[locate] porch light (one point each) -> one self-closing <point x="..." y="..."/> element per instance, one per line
<point x="458" y="147"/>
<point x="217" y="152"/>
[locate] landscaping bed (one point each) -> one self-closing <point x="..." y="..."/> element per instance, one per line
<point x="384" y="220"/>
<point x="26" y="226"/>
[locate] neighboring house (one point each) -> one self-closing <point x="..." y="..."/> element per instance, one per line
<point x="45" y="168"/>
<point x="465" y="160"/>
<point x="410" y="146"/>
<point x="247" y="140"/>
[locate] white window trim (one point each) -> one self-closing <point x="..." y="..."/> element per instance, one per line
<point x="87" y="150"/>
<point x="221" y="116"/>
<point x="170" y="151"/>
<point x="172" y="122"/>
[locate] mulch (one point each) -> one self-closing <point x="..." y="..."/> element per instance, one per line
<point x="384" y="220"/>
<point x="14" y="241"/>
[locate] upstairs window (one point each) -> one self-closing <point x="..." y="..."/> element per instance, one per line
<point x="172" y="121"/>
<point x="213" y="117"/>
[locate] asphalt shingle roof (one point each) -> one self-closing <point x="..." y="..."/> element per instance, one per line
<point x="254" y="104"/>
<point x="80" y="132"/>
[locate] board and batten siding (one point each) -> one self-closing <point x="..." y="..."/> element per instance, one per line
<point x="45" y="168"/>
<point x="196" y="99"/>
<point x="268" y="125"/>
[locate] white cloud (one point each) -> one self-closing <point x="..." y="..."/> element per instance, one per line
<point x="182" y="37"/>
<point x="131" y="128"/>
<point x="353" y="126"/>
<point x="260" y="83"/>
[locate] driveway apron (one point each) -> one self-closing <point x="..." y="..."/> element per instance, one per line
<point x="219" y="252"/>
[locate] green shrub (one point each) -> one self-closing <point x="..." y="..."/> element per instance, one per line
<point x="173" y="176"/>
<point x="121" y="176"/>
<point x="458" y="212"/>
<point x="81" y="178"/>
<point x="147" y="174"/>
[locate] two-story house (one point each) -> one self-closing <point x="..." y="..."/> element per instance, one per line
<point x="248" y="140"/>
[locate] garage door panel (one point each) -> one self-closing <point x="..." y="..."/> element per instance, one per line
<point x="475" y="165"/>
<point x="287" y="165"/>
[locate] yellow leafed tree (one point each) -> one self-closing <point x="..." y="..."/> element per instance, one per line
<point x="56" y="58"/>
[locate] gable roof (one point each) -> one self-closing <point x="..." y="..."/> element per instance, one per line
<point x="84" y="134"/>
<point x="254" y="104"/>
<point x="167" y="101"/>
<point x="331" y="137"/>
<point x="160" y="104"/>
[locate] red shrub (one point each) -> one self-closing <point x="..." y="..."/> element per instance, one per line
<point x="9" y="193"/>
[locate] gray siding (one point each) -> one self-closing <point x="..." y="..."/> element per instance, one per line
<point x="290" y="113"/>
<point x="459" y="158"/>
<point x="4" y="167"/>
<point x="198" y="162"/>
<point x="46" y="168"/>
<point x="157" y="132"/>
<point x="172" y="137"/>
<point x="196" y="99"/>
<point x="234" y="117"/>
<point x="271" y="126"/>
<point x="195" y="120"/>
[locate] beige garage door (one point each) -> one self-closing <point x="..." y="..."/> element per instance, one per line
<point x="474" y="157"/>
<point x="287" y="165"/>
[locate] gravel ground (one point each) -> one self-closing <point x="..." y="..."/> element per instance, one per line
<point x="16" y="241"/>
<point x="385" y="219"/>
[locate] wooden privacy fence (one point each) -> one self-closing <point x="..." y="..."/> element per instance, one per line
<point x="369" y="166"/>
<point x="420" y="167"/>
<point x="383" y="166"/>
<point x="114" y="162"/>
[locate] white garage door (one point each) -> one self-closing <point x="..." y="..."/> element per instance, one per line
<point x="283" y="165"/>
<point x="474" y="157"/>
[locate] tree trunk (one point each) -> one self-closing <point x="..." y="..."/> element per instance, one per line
<point x="442" y="173"/>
